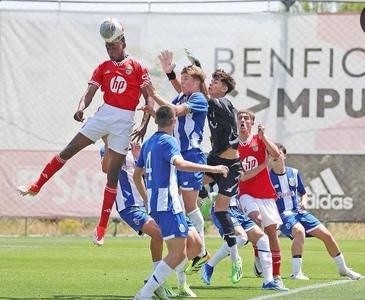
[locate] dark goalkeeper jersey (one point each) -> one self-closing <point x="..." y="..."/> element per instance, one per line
<point x="222" y="124"/>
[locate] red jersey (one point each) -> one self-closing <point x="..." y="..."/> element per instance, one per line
<point x="120" y="82"/>
<point x="253" y="154"/>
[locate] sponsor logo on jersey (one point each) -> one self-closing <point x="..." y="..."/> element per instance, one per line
<point x="324" y="192"/>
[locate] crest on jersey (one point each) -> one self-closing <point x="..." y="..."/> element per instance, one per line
<point x="291" y="181"/>
<point x="128" y="70"/>
<point x="255" y="147"/>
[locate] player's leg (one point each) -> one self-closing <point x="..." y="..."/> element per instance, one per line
<point x="110" y="192"/>
<point x="271" y="221"/>
<point x="137" y="218"/>
<point x="170" y="225"/>
<point x="252" y="211"/>
<point x="322" y="233"/>
<point x="78" y="143"/>
<point x="119" y="125"/>
<point x="260" y="239"/>
<point x="221" y="213"/>
<point x="224" y="250"/>
<point x="190" y="185"/>
<point x="193" y="247"/>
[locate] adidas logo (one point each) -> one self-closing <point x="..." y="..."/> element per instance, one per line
<point x="324" y="192"/>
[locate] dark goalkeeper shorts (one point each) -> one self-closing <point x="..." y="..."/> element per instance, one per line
<point x="227" y="186"/>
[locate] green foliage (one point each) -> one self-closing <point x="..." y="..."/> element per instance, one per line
<point x="73" y="268"/>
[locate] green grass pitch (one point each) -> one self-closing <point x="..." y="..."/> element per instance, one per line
<point x="73" y="268"/>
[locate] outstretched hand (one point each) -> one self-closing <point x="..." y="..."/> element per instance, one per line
<point x="192" y="57"/>
<point x="138" y="133"/>
<point x="150" y="89"/>
<point x="166" y="58"/>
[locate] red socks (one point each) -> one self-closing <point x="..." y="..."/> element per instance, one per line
<point x="50" y="169"/>
<point x="109" y="197"/>
<point x="276" y="262"/>
<point x="255" y="251"/>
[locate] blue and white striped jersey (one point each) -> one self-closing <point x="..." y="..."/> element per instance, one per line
<point x="127" y="193"/>
<point x="157" y="156"/>
<point x="287" y="187"/>
<point x="189" y="128"/>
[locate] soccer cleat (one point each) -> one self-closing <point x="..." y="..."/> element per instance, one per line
<point x="272" y="285"/>
<point x="206" y="204"/>
<point x="99" y="233"/>
<point x="159" y="292"/>
<point x="191" y="56"/>
<point x="207" y="272"/>
<point x="30" y="190"/>
<point x="351" y="274"/>
<point x="257" y="268"/>
<point x="194" y="265"/>
<point x="299" y="276"/>
<point x="139" y="297"/>
<point x="185" y="291"/>
<point x="279" y="282"/>
<point x="168" y="290"/>
<point x="236" y="271"/>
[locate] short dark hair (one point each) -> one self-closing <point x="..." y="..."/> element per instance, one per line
<point x="225" y="78"/>
<point x="164" y="116"/>
<point x="281" y="147"/>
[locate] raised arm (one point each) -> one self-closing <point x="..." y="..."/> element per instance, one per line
<point x="168" y="67"/>
<point x="270" y="146"/>
<point x="179" y="109"/>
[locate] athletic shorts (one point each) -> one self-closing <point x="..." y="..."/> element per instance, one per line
<point x="266" y="207"/>
<point x="171" y="225"/>
<point x="135" y="217"/>
<point x="237" y="217"/>
<point x="189" y="223"/>
<point x="192" y="180"/>
<point x="308" y="221"/>
<point x="227" y="186"/>
<point x="116" y="122"/>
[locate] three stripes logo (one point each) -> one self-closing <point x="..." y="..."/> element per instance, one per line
<point x="324" y="192"/>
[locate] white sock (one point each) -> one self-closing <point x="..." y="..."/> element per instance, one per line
<point x="155" y="264"/>
<point x="197" y="218"/>
<point x="233" y="251"/>
<point x="180" y="274"/>
<point x="224" y="251"/>
<point x="340" y="262"/>
<point x="263" y="248"/>
<point x="158" y="277"/>
<point x="296" y="263"/>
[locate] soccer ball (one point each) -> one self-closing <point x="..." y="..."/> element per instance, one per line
<point x="111" y="29"/>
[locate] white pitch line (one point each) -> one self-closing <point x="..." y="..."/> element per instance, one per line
<point x="310" y="287"/>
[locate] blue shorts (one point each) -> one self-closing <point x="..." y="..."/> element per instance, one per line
<point x="192" y="180"/>
<point x="189" y="223"/>
<point x="171" y="225"/>
<point x="237" y="217"/>
<point x="308" y="221"/>
<point x="135" y="217"/>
